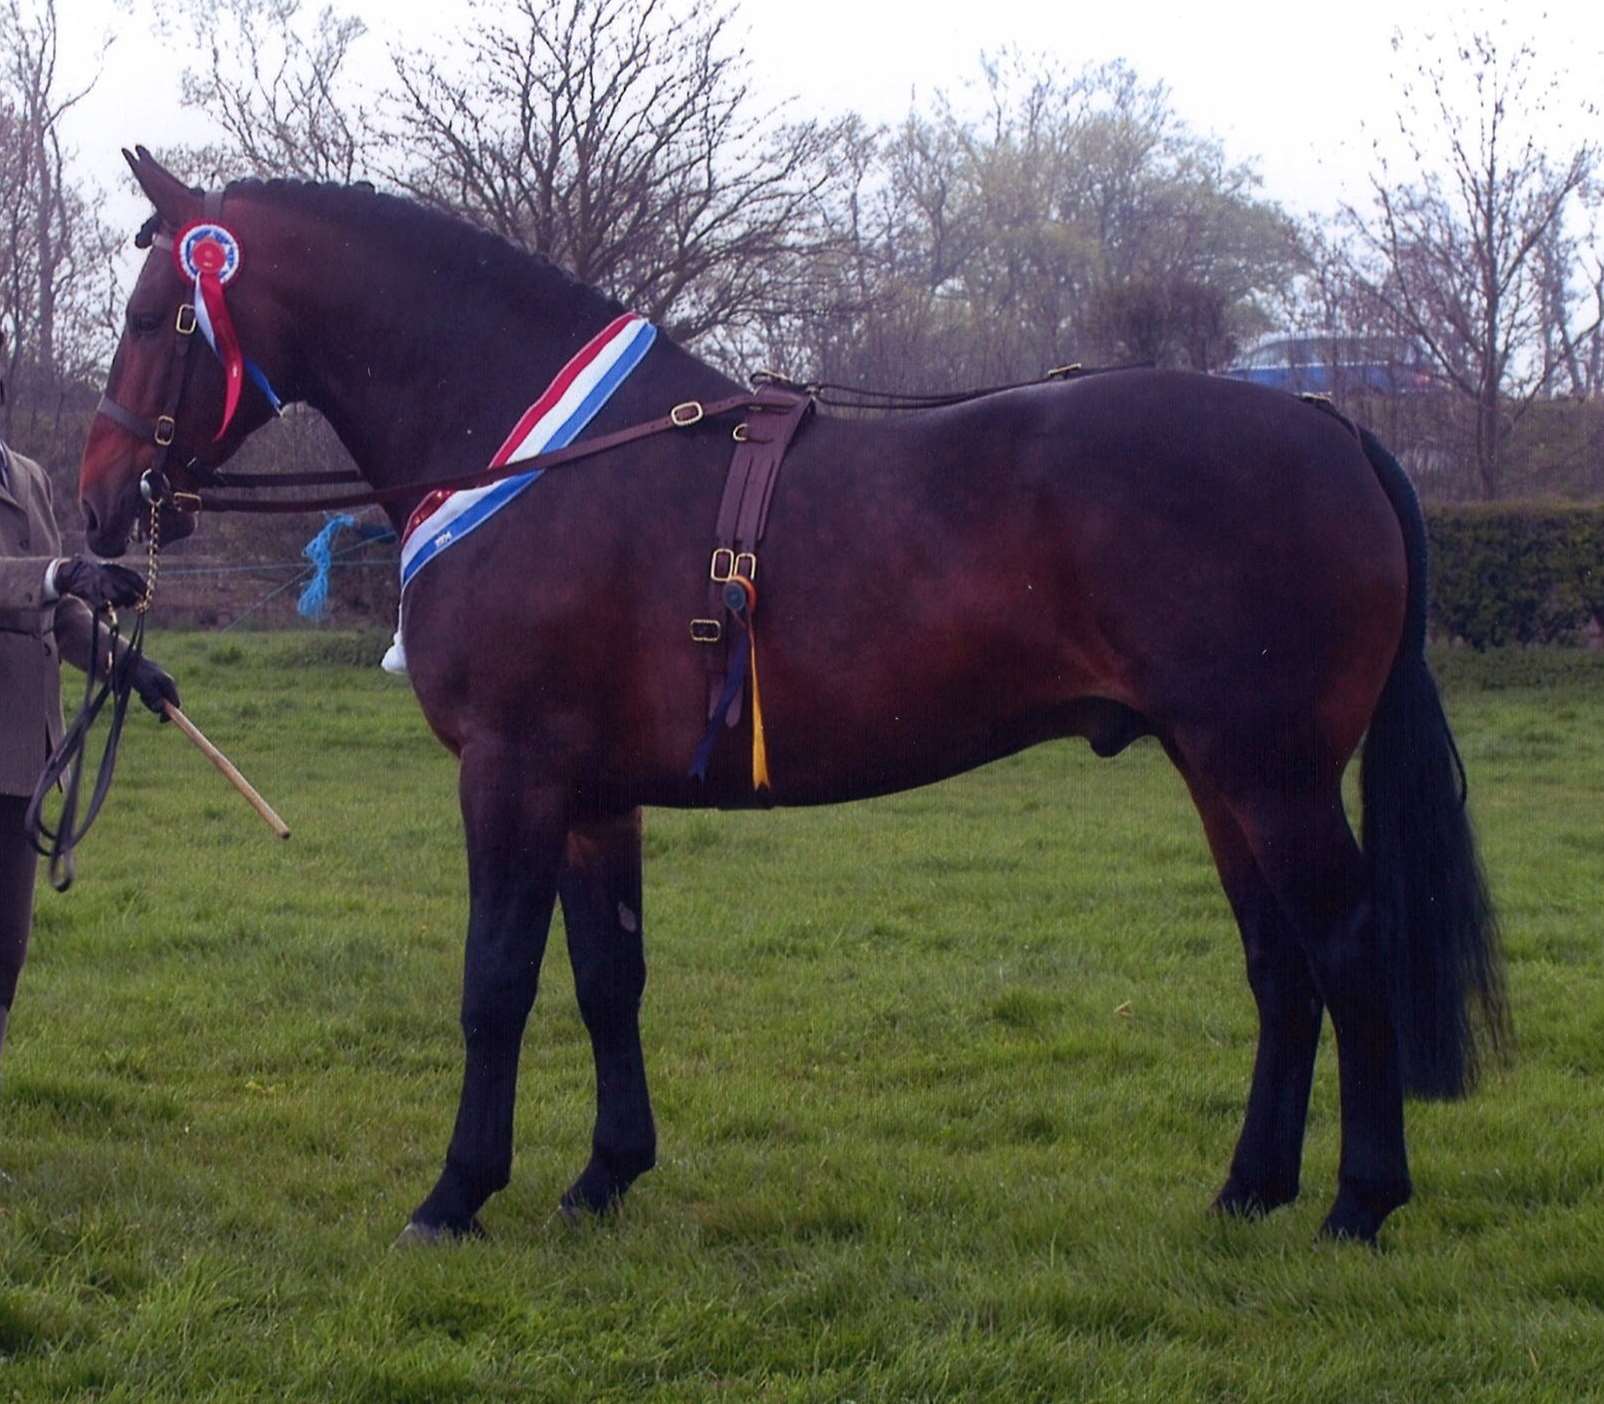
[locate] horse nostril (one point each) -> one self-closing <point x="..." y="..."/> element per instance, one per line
<point x="90" y="520"/>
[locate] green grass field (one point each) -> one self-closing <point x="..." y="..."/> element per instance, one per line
<point x="944" y="1084"/>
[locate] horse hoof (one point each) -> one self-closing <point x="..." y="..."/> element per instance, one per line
<point x="1361" y="1208"/>
<point x="419" y="1235"/>
<point x="576" y="1210"/>
<point x="1333" y="1232"/>
<point x="1351" y="1227"/>
<point x="596" y="1194"/>
<point x="1239" y="1202"/>
<point x="571" y="1216"/>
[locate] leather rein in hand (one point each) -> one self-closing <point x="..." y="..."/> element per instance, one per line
<point x="108" y="678"/>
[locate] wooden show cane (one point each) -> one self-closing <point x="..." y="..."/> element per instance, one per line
<point x="230" y="773"/>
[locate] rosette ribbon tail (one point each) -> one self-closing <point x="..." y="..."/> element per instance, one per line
<point x="211" y="314"/>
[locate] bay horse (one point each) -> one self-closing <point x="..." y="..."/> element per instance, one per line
<point x="1135" y="553"/>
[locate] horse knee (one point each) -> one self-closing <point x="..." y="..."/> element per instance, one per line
<point x="497" y="1003"/>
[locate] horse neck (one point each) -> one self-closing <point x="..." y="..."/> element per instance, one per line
<point x="434" y="394"/>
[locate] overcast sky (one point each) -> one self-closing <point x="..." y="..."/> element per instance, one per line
<point x="1300" y="91"/>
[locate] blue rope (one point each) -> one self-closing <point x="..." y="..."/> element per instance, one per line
<point x="314" y="600"/>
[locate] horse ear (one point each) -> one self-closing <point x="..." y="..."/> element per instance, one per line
<point x="175" y="202"/>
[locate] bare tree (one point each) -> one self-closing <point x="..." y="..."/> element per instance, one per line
<point x="1468" y="250"/>
<point x="55" y="269"/>
<point x="282" y="90"/>
<point x="622" y="140"/>
<point x="1061" y="217"/>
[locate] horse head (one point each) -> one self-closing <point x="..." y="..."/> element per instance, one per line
<point x="170" y="414"/>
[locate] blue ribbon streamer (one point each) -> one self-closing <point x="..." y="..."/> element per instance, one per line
<point x="314" y="600"/>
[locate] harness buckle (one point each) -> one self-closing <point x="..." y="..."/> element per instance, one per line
<point x="722" y="570"/>
<point x="687" y="414"/>
<point x="165" y="429"/>
<point x="706" y="631"/>
<point x="184" y="323"/>
<point x="750" y="571"/>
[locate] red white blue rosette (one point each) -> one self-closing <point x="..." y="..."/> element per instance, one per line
<point x="209" y="255"/>
<point x="207" y="250"/>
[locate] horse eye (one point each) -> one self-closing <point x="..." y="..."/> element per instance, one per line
<point x="143" y="323"/>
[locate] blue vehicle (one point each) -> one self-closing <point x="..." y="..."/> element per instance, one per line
<point x="1333" y="363"/>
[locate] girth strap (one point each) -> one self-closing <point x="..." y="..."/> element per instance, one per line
<point x="760" y="444"/>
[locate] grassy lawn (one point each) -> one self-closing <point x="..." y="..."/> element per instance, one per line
<point x="944" y="1084"/>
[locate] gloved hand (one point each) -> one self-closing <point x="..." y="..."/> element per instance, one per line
<point x="98" y="583"/>
<point x="154" y="686"/>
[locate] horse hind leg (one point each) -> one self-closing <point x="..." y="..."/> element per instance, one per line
<point x="1307" y="856"/>
<point x="600" y="888"/>
<point x="1265" y="1168"/>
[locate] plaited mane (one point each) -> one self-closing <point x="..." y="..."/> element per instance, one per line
<point x="462" y="253"/>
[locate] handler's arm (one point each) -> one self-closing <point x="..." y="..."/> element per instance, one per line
<point x="75" y="627"/>
<point x="22" y="582"/>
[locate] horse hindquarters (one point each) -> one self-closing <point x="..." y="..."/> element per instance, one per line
<point x="1398" y="942"/>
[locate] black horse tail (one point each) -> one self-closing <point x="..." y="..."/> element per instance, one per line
<point x="1436" y="921"/>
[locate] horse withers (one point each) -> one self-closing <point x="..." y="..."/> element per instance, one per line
<point x="1136" y="553"/>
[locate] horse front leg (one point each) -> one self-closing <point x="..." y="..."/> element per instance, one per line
<point x="515" y="825"/>
<point x="600" y="887"/>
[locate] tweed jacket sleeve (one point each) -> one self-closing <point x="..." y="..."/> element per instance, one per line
<point x="33" y="631"/>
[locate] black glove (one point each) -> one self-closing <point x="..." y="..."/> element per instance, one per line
<point x="154" y="687"/>
<point x="97" y="583"/>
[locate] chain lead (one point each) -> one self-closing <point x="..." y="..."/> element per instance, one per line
<point x="152" y="548"/>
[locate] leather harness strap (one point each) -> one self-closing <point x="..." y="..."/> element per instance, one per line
<point x="760" y="444"/>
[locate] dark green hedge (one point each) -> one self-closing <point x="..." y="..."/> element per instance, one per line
<point x="1504" y="574"/>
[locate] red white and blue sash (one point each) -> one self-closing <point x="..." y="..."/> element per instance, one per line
<point x="555" y="420"/>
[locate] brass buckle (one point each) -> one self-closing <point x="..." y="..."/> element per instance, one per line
<point x="165" y="429"/>
<point x="741" y="433"/>
<point x="1064" y="372"/>
<point x="706" y="631"/>
<point x="750" y="573"/>
<point x="184" y="501"/>
<point x="184" y="323"/>
<point x="714" y="572"/>
<point x="687" y="414"/>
